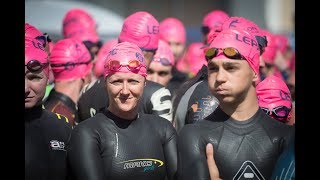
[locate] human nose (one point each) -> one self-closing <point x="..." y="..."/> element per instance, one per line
<point x="125" y="88"/>
<point x="221" y="75"/>
<point x="26" y="86"/>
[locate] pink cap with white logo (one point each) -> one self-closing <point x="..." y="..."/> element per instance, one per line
<point x="125" y="53"/>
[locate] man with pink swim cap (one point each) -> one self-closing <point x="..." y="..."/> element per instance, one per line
<point x="71" y="64"/>
<point x="172" y="31"/>
<point x="120" y="142"/>
<point x="142" y="29"/>
<point x="79" y="24"/>
<point x="241" y="133"/>
<point x="213" y="20"/>
<point x="275" y="98"/>
<point x="160" y="68"/>
<point x="46" y="133"/>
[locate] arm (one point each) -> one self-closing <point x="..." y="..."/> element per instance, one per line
<point x="83" y="154"/>
<point x="192" y="161"/>
<point x="170" y="152"/>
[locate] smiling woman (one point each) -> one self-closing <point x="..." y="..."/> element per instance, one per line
<point x="119" y="142"/>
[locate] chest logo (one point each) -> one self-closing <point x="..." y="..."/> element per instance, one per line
<point x="248" y="171"/>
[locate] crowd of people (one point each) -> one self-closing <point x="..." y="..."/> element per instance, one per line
<point x="94" y="110"/>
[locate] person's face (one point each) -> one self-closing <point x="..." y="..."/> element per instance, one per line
<point x="148" y="56"/>
<point x="230" y="79"/>
<point x="159" y="73"/>
<point x="34" y="88"/>
<point x="125" y="91"/>
<point x="177" y="49"/>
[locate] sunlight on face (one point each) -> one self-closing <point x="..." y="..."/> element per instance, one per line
<point x="229" y="79"/>
<point x="124" y="91"/>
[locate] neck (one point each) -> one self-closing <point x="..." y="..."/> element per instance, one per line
<point x="129" y="115"/>
<point x="69" y="88"/>
<point x="242" y="110"/>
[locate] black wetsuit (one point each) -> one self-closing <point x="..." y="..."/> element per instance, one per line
<point x="46" y="135"/>
<point x="178" y="78"/>
<point x="285" y="166"/>
<point x="156" y="99"/>
<point x="198" y="105"/>
<point x="108" y="147"/>
<point x="62" y="104"/>
<point x="242" y="149"/>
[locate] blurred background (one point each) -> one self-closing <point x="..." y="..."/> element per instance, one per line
<point x="276" y="16"/>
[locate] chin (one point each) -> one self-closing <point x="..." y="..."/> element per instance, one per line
<point x="126" y="108"/>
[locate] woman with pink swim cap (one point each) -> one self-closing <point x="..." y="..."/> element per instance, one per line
<point x="142" y="29"/>
<point x="241" y="133"/>
<point x="45" y="132"/>
<point x="71" y="64"/>
<point x="119" y="142"/>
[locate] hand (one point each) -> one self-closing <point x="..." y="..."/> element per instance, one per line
<point x="213" y="169"/>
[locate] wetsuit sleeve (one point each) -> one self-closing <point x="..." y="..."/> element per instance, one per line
<point x="192" y="163"/>
<point x="170" y="152"/>
<point x="161" y="103"/>
<point x="83" y="155"/>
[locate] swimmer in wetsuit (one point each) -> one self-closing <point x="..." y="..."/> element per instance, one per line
<point x="46" y="133"/>
<point x="121" y="143"/>
<point x="156" y="99"/>
<point x="246" y="140"/>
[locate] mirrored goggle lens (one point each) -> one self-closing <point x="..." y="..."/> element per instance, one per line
<point x="35" y="65"/>
<point x="281" y="111"/>
<point x="116" y="65"/>
<point x="229" y="52"/>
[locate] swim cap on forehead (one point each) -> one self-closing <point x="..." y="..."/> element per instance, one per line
<point x="246" y="25"/>
<point x="273" y="92"/>
<point x="33" y="52"/>
<point x="282" y="42"/>
<point x="271" y="50"/>
<point x="142" y="29"/>
<point x="124" y="53"/>
<point x="163" y="51"/>
<point x="78" y="23"/>
<point x="102" y="55"/>
<point x="31" y="31"/>
<point x="215" y="19"/>
<point x="243" y="41"/>
<point x="70" y="51"/>
<point x="172" y="29"/>
<point x="195" y="57"/>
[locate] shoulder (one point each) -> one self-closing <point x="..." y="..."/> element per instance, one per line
<point x="56" y="120"/>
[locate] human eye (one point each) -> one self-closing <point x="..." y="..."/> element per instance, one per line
<point x="163" y="73"/>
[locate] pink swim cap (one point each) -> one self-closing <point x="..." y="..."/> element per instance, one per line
<point x="142" y="29"/>
<point x="195" y="57"/>
<point x="34" y="33"/>
<point x="73" y="52"/>
<point x="78" y="23"/>
<point x="271" y="50"/>
<point x="243" y="41"/>
<point x="172" y="29"/>
<point x="246" y="25"/>
<point x="34" y="52"/>
<point x="163" y="51"/>
<point x="273" y="92"/>
<point x="125" y="53"/>
<point x="282" y="42"/>
<point x="102" y="55"/>
<point x="215" y="19"/>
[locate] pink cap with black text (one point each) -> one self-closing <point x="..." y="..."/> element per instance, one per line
<point x="142" y="29"/>
<point x="243" y="41"/>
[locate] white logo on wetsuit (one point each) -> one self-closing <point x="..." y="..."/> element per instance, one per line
<point x="57" y="145"/>
<point x="92" y="112"/>
<point x="248" y="171"/>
